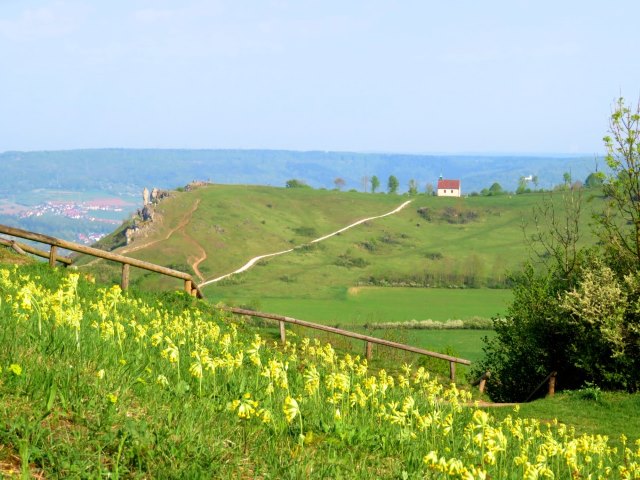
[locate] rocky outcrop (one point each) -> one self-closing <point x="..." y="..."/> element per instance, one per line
<point x="146" y="215"/>
<point x="197" y="184"/>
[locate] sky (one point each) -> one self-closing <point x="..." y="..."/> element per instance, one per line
<point x="512" y="76"/>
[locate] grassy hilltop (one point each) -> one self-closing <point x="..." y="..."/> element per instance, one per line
<point x="365" y="275"/>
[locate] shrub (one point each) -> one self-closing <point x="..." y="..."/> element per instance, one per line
<point x="346" y="260"/>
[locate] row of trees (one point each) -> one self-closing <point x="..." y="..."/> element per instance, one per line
<point x="576" y="310"/>
<point x="593" y="180"/>
<point x="393" y="184"/>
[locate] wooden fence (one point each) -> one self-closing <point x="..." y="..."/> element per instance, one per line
<point x="54" y="243"/>
<point x="192" y="288"/>
<point x="368" y="340"/>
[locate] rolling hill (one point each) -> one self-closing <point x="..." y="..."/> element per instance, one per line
<point x="367" y="273"/>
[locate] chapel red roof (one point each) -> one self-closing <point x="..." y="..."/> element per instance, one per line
<point x="448" y="184"/>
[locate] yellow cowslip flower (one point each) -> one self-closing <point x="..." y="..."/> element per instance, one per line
<point x="291" y="409"/>
<point x="162" y="380"/>
<point x="338" y="381"/>
<point x="358" y="397"/>
<point x="361" y="369"/>
<point x="112" y="397"/>
<point x="100" y="374"/>
<point x="245" y="406"/>
<point x="156" y="338"/>
<point x="347" y="363"/>
<point x="447" y="424"/>
<point x="225" y="342"/>
<point x="311" y="380"/>
<point x="195" y="369"/>
<point x="15" y="369"/>
<point x="265" y="416"/>
<point x="171" y="352"/>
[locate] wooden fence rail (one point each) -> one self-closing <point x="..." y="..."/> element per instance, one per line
<point x="55" y="243"/>
<point x="192" y="288"/>
<point x="369" y="341"/>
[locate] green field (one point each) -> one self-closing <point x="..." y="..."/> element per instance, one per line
<point x="407" y="266"/>
<point x="434" y="242"/>
<point x="365" y="305"/>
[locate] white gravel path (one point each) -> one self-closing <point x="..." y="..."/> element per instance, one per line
<point x="253" y="261"/>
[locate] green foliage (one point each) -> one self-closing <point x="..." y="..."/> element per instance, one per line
<point x="349" y="261"/>
<point x="375" y="183"/>
<point x="595" y="180"/>
<point x="475" y="323"/>
<point x="413" y="188"/>
<point x="295" y="183"/>
<point x="579" y="314"/>
<point x="496" y="189"/>
<point x="621" y="222"/>
<point x="305" y="231"/>
<point x="522" y="186"/>
<point x="392" y="184"/>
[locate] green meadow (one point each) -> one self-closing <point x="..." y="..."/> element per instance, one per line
<point x="438" y="258"/>
<point x="146" y="385"/>
<point x="365" y="305"/>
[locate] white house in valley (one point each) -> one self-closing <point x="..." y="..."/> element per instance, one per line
<point x="448" y="188"/>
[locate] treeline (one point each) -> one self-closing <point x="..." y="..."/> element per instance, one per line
<point x="446" y="272"/>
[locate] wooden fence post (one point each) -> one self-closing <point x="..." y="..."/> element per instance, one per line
<point x="368" y="350"/>
<point x="187" y="286"/>
<point x="283" y="335"/>
<point x="52" y="256"/>
<point x="552" y="384"/>
<point x="483" y="381"/>
<point x="452" y="371"/>
<point x="124" y="281"/>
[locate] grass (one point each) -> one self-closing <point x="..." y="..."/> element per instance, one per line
<point x="461" y="343"/>
<point x="608" y="415"/>
<point x="236" y="223"/>
<point x="96" y="383"/>
<point x="365" y="305"/>
<point x="9" y="256"/>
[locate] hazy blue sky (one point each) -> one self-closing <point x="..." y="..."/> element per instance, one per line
<point x="404" y="76"/>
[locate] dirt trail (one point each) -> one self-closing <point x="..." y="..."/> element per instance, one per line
<point x="254" y="260"/>
<point x="202" y="253"/>
<point x="184" y="221"/>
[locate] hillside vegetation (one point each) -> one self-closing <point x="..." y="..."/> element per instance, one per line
<point x="96" y="382"/>
<point x="434" y="242"/>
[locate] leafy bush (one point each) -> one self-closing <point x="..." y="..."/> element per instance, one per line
<point x="305" y="231"/>
<point x="346" y="260"/>
<point x="579" y="314"/>
<point x="426" y="213"/>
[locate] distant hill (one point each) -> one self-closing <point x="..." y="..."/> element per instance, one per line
<point x="127" y="171"/>
<point x="435" y="242"/>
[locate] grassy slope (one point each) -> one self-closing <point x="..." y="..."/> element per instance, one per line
<point x="235" y="223"/>
<point x="96" y="409"/>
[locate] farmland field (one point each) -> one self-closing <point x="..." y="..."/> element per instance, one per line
<point x="365" y="305"/>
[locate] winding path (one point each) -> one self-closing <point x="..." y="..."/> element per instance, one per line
<point x="254" y="260"/>
<point x="184" y="221"/>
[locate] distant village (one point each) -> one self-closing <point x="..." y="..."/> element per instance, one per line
<point x="79" y="211"/>
<point x="82" y="211"/>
